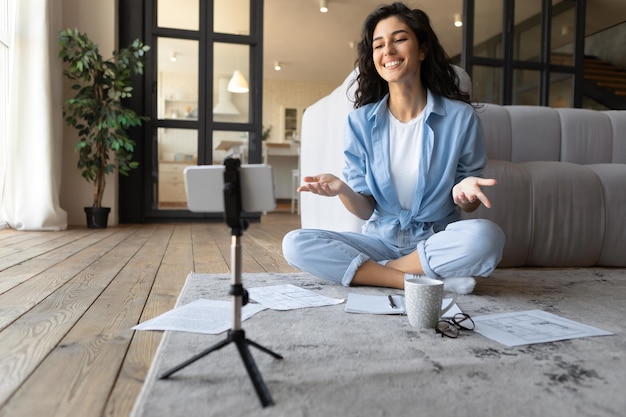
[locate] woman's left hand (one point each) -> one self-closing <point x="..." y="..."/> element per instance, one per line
<point x="467" y="194"/>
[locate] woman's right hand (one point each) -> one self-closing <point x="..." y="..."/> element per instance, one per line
<point x="323" y="184"/>
<point x="329" y="185"/>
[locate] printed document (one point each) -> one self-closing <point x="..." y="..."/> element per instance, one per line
<point x="530" y="327"/>
<point x="200" y="316"/>
<point x="289" y="297"/>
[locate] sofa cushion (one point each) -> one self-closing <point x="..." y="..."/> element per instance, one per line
<point x="567" y="206"/>
<point x="535" y="134"/>
<point x="613" y="180"/>
<point x="511" y="209"/>
<point x="618" y="124"/>
<point x="557" y="214"/>
<point x="586" y="136"/>
<point x="496" y="126"/>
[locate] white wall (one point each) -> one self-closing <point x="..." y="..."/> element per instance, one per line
<point x="291" y="94"/>
<point x="99" y="20"/>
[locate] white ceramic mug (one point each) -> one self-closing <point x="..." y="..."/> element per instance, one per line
<point x="423" y="299"/>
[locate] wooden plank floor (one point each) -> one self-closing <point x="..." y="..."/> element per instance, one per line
<point x="68" y="300"/>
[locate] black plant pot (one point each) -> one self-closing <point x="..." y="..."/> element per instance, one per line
<point x="97" y="217"/>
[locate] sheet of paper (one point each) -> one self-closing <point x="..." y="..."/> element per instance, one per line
<point x="532" y="326"/>
<point x="289" y="297"/>
<point x="200" y="316"/>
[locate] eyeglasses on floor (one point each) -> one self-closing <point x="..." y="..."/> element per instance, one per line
<point x="452" y="326"/>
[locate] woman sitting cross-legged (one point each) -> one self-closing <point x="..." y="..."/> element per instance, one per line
<point x="413" y="158"/>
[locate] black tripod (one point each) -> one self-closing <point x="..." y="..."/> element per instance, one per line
<point x="232" y="214"/>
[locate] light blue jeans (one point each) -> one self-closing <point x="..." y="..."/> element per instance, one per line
<point x="464" y="248"/>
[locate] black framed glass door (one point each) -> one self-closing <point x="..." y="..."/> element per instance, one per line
<point x="202" y="91"/>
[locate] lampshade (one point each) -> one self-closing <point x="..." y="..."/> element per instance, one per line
<point x="238" y="83"/>
<point x="323" y="6"/>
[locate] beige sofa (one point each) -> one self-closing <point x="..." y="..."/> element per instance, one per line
<point x="561" y="193"/>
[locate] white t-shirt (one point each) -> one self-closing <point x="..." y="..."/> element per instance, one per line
<point x="406" y="145"/>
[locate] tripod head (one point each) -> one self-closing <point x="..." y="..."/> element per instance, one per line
<point x="232" y="197"/>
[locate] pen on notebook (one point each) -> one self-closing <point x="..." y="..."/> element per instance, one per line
<point x="391" y="302"/>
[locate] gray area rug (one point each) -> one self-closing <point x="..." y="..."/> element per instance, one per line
<point x="340" y="364"/>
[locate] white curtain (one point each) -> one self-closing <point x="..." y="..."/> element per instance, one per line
<point x="34" y="144"/>
<point x="6" y="8"/>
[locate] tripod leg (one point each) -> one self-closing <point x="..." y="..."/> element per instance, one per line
<point x="189" y="361"/>
<point x="264" y="349"/>
<point x="257" y="380"/>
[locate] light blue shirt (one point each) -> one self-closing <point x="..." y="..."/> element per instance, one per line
<point x="452" y="149"/>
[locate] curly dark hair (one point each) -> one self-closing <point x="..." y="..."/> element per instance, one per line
<point x="437" y="72"/>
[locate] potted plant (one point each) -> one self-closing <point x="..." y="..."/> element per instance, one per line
<point x="98" y="113"/>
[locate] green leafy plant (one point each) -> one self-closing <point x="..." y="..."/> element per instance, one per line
<point x="97" y="110"/>
<point x="266" y="133"/>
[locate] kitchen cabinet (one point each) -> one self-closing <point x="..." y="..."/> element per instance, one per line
<point x="172" y="182"/>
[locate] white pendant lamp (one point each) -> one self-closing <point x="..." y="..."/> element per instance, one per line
<point x="238" y="83"/>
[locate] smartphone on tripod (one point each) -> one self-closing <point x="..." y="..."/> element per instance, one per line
<point x="204" y="186"/>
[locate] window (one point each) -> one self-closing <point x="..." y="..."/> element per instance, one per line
<point x="517" y="52"/>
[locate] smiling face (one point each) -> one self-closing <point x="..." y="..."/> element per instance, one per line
<point x="396" y="51"/>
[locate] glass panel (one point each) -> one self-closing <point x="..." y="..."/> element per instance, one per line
<point x="563" y="30"/>
<point x="488" y="28"/>
<point x="230" y="61"/>
<point x="177" y="94"/>
<point x="178" y="14"/>
<point x="176" y="151"/>
<point x="527" y="32"/>
<point x="486" y="84"/>
<point x="229" y="144"/>
<point x="561" y="89"/>
<point x="232" y="16"/>
<point x="526" y="87"/>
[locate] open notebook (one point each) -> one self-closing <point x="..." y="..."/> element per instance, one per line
<point x="380" y="304"/>
<point x="375" y="304"/>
